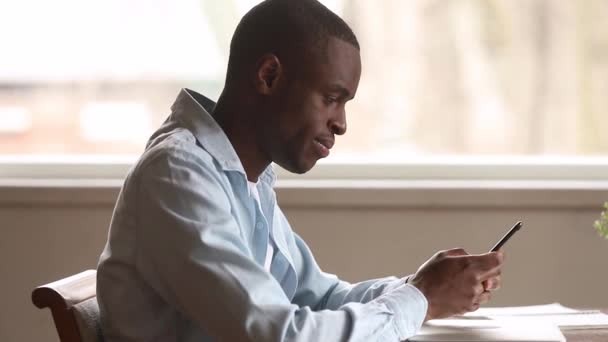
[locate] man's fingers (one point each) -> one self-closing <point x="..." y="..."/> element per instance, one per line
<point x="487" y="261"/>
<point x="484" y="297"/>
<point x="493" y="273"/>
<point x="492" y="284"/>
<point x="486" y="265"/>
<point x="455" y="252"/>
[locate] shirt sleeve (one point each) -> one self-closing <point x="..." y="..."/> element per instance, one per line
<point x="191" y="251"/>
<point x="324" y="291"/>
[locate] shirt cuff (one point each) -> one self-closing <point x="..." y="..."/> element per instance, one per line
<point x="408" y="306"/>
<point x="394" y="283"/>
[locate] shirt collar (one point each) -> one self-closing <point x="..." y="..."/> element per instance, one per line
<point x="193" y="110"/>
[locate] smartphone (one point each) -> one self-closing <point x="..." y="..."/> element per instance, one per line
<point x="507" y="236"/>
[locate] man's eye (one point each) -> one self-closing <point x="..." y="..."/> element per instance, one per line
<point x="330" y="99"/>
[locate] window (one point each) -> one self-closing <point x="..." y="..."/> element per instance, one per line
<point x="463" y="78"/>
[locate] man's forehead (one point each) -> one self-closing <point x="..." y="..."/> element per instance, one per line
<point x="333" y="63"/>
<point x="332" y="52"/>
<point x="341" y="44"/>
<point x="342" y="59"/>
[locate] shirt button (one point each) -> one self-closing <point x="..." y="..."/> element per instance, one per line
<point x="259" y="225"/>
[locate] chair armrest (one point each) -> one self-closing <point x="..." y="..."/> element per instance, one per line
<point x="61" y="295"/>
<point x="65" y="293"/>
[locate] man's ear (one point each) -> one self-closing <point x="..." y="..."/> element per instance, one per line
<point x="267" y="74"/>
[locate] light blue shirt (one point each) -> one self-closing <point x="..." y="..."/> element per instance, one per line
<point x="186" y="249"/>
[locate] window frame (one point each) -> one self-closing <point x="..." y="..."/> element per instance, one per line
<point x="436" y="168"/>
<point x="422" y="184"/>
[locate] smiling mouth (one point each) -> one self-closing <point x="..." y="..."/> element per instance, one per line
<point x="322" y="147"/>
<point x="322" y="144"/>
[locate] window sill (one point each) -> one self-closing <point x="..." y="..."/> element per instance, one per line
<point x="434" y="182"/>
<point x="402" y="194"/>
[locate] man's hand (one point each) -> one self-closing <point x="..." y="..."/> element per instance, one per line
<point x="455" y="282"/>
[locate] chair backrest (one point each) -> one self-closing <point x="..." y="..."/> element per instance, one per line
<point x="73" y="303"/>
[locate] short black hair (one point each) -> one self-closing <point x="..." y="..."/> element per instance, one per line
<point x="284" y="27"/>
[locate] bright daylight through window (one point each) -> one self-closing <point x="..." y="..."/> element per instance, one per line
<point x="440" y="78"/>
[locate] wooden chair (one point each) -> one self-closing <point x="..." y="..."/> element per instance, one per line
<point x="73" y="303"/>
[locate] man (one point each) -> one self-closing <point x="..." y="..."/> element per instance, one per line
<point x="198" y="249"/>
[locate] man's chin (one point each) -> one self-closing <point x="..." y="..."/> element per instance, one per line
<point x="300" y="167"/>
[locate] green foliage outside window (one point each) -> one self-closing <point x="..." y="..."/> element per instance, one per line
<point x="601" y="225"/>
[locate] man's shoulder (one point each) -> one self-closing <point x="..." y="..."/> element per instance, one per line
<point x="175" y="147"/>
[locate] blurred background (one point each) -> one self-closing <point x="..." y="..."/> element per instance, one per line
<point x="514" y="85"/>
<point x="459" y="78"/>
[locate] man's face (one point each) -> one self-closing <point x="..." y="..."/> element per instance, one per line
<point x="308" y="110"/>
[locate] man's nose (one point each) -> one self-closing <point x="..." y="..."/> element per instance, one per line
<point x="338" y="124"/>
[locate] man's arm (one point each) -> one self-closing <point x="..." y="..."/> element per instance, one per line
<point x="322" y="290"/>
<point x="452" y="282"/>
<point x="191" y="251"/>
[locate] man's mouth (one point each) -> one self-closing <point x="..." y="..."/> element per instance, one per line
<point x="323" y="147"/>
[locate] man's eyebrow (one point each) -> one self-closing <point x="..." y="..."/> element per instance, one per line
<point x="342" y="90"/>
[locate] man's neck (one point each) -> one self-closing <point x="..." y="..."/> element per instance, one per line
<point x="239" y="128"/>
